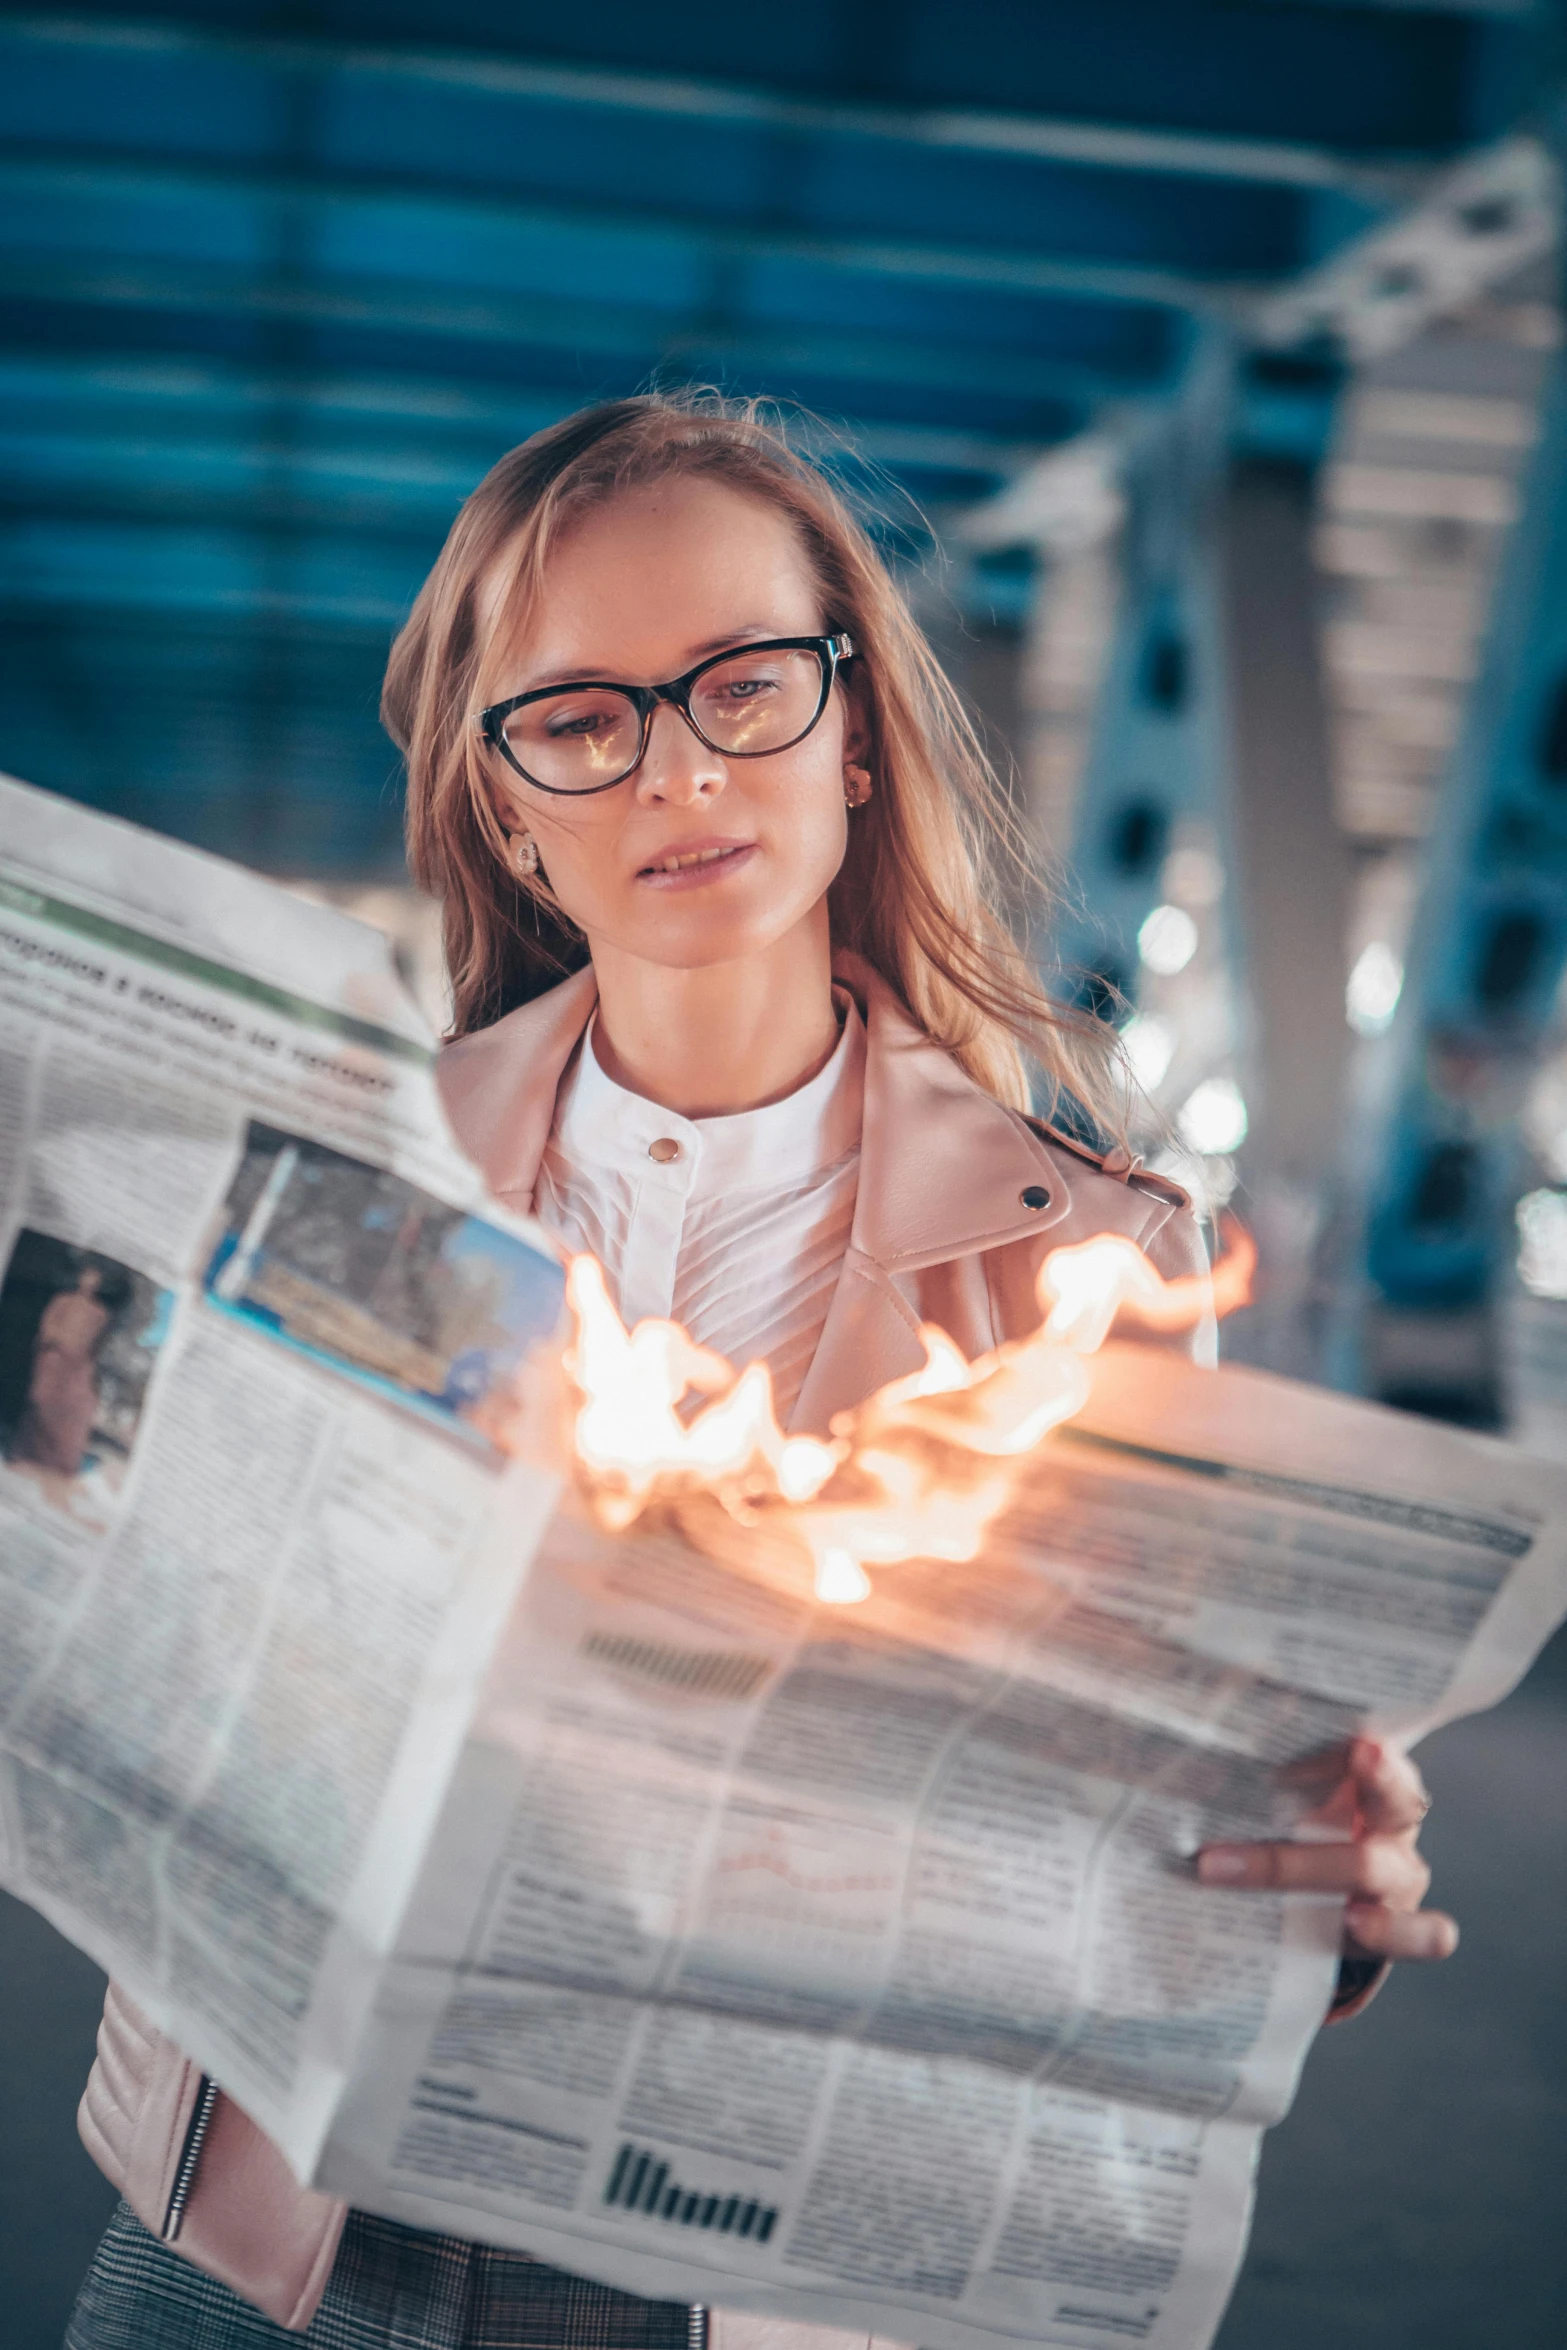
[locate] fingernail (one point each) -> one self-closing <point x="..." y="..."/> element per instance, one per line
<point x="1221" y="1866"/>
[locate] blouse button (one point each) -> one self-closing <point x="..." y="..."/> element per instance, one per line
<point x="665" y="1149"/>
<point x="1034" y="1195"/>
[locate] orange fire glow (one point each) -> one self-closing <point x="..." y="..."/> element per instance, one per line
<point x="920" y="1470"/>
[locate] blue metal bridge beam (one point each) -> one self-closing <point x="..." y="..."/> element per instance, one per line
<point x="1156" y="753"/>
<point x="697" y="104"/>
<point x="1287" y="888"/>
<point x="1486" y="956"/>
<point x="1211" y="738"/>
<point x="1367" y="82"/>
<point x="516" y="320"/>
<point x="1290" y="866"/>
<point x="376" y="211"/>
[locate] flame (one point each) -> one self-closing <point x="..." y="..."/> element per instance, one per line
<point x="1087" y="1288"/>
<point x="630" y="1436"/>
<point x="920" y="1470"/>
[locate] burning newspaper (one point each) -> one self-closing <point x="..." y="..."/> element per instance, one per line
<point x="744" y="1868"/>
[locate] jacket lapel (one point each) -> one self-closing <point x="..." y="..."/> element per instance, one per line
<point x="943" y="1165"/>
<point x="498" y="1085"/>
<point x="943" y="1170"/>
<point x="871" y="1335"/>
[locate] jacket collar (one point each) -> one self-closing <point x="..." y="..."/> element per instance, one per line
<point x="943" y="1166"/>
<point x="498" y="1085"/>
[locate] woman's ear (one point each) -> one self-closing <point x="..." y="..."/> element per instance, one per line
<point x="857" y="730"/>
<point x="506" y="808"/>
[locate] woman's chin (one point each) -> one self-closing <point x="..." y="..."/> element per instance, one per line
<point x="705" y="952"/>
<point x="694" y="940"/>
<point x="687" y="933"/>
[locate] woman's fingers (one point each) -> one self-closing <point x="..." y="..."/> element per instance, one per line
<point x="1378" y="1868"/>
<point x="1380" y="1800"/>
<point x="1374" y="1931"/>
<point x="1391" y="1794"/>
<point x="1361" y="1782"/>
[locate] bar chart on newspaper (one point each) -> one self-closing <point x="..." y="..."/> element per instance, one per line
<point x="661" y="1871"/>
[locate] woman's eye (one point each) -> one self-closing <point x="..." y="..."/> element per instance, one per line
<point x="747" y="689"/>
<point x="586" y="722"/>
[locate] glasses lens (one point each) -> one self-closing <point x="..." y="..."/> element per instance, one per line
<point x="758" y="701"/>
<point x="575" y="740"/>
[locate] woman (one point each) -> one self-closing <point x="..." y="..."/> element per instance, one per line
<point x="733" y="1010"/>
<point x="62" y="1391"/>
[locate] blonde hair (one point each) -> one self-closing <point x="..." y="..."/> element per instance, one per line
<point x="930" y="857"/>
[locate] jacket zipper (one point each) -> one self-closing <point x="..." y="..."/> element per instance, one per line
<point x="190" y="2157"/>
<point x="696" y="2327"/>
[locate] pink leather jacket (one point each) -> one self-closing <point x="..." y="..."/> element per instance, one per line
<point x="959" y="1200"/>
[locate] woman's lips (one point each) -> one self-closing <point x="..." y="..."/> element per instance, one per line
<point x="696" y="864"/>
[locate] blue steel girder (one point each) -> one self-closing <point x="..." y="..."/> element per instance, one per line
<point x="1490" y="937"/>
<point x="1371" y="83"/>
<point x="517" y="335"/>
<point x="423" y="126"/>
<point x="1157" y="748"/>
<point x="290" y="216"/>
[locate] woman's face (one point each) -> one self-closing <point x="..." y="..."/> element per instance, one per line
<point x="638" y="592"/>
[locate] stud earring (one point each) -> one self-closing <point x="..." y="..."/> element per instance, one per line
<point x="856" y="786"/>
<point x="522" y="855"/>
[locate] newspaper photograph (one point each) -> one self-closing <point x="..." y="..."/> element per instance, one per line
<point x="589" y="1883"/>
<point x="79" y="1333"/>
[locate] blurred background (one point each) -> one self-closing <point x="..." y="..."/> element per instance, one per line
<point x="1200" y="365"/>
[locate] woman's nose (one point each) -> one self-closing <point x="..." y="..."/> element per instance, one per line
<point x="679" y="769"/>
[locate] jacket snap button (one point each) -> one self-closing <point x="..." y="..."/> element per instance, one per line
<point x="1035" y="1196"/>
<point x="665" y="1149"/>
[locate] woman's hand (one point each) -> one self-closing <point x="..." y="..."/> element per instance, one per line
<point x="1378" y="1801"/>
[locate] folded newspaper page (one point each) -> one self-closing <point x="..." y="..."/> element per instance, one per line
<point x="255" y="1538"/>
<point x="602" y="1894"/>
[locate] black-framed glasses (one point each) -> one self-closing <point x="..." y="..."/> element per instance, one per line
<point x="761" y="698"/>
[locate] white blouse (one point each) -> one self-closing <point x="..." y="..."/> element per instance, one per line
<point x="734" y="1226"/>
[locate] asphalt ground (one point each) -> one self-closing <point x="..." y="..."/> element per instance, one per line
<point x="1414" y="2199"/>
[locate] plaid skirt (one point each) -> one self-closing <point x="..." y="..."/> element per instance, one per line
<point x="391" y="2288"/>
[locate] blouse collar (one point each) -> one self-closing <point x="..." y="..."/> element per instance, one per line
<point x="602" y="1127"/>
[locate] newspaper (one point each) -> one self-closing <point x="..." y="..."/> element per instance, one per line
<point x="255" y="1537"/>
<point x="601" y="1895"/>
